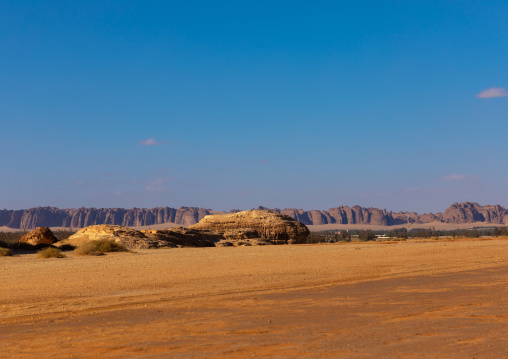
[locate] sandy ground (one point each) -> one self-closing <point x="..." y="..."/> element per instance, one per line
<point x="414" y="299"/>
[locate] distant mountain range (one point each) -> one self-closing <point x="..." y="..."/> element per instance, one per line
<point x="466" y="212"/>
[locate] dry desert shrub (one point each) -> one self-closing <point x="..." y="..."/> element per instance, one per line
<point x="50" y="252"/>
<point x="5" y="252"/>
<point x="63" y="234"/>
<point x="99" y="247"/>
<point x="10" y="238"/>
<point x="67" y="247"/>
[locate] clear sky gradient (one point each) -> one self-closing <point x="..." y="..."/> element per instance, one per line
<point x="233" y="104"/>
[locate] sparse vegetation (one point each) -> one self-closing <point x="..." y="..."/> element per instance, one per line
<point x="28" y="247"/>
<point x="64" y="234"/>
<point x="500" y="232"/>
<point x="367" y="235"/>
<point x="329" y="237"/>
<point x="67" y="247"/>
<point x="99" y="247"/>
<point x="332" y="236"/>
<point x="50" y="252"/>
<point x="10" y="238"/>
<point x="5" y="252"/>
<point x="398" y="233"/>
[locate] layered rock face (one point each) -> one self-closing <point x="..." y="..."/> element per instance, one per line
<point x="185" y="237"/>
<point x="41" y="235"/>
<point x="472" y="212"/>
<point x="83" y="217"/>
<point x="342" y="215"/>
<point x="457" y="213"/>
<point x="185" y="216"/>
<point x="270" y="226"/>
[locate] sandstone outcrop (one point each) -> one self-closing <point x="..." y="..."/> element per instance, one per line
<point x="472" y="212"/>
<point x="134" y="239"/>
<point x="186" y="237"/>
<point x="268" y="226"/>
<point x="40" y="235"/>
<point x="130" y="238"/>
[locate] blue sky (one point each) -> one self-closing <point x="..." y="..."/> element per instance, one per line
<point x="392" y="104"/>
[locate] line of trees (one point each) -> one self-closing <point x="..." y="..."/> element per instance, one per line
<point x="402" y="233"/>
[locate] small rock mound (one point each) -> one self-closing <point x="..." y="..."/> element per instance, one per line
<point x="40" y="235"/>
<point x="130" y="238"/>
<point x="268" y="226"/>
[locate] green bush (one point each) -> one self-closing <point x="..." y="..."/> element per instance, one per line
<point x="99" y="247"/>
<point x="329" y="237"/>
<point x="367" y="235"/>
<point x="399" y="233"/>
<point x="50" y="252"/>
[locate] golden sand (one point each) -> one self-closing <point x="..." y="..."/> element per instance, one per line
<point x="445" y="299"/>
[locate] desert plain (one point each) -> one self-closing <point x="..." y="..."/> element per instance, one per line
<point x="407" y="299"/>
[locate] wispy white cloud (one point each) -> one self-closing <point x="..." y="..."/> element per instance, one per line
<point x="151" y="142"/>
<point x="454" y="177"/>
<point x="493" y="92"/>
<point x="262" y="162"/>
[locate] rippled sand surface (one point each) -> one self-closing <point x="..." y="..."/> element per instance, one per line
<point x="443" y="299"/>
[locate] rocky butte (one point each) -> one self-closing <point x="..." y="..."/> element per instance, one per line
<point x="467" y="212"/>
<point x="266" y="225"/>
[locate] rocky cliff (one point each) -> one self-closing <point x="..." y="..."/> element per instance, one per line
<point x="472" y="212"/>
<point x="185" y="216"/>
<point x="84" y="217"/>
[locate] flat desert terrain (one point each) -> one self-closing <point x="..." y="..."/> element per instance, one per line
<point x="414" y="299"/>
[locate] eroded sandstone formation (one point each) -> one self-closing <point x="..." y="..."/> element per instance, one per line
<point x="269" y="226"/>
<point x="130" y="238"/>
<point x="134" y="239"/>
<point x="472" y="212"/>
<point x="40" y="235"/>
<point x="185" y="237"/>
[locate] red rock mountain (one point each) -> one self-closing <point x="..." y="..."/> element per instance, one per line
<point x="84" y="217"/>
<point x="185" y="216"/>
